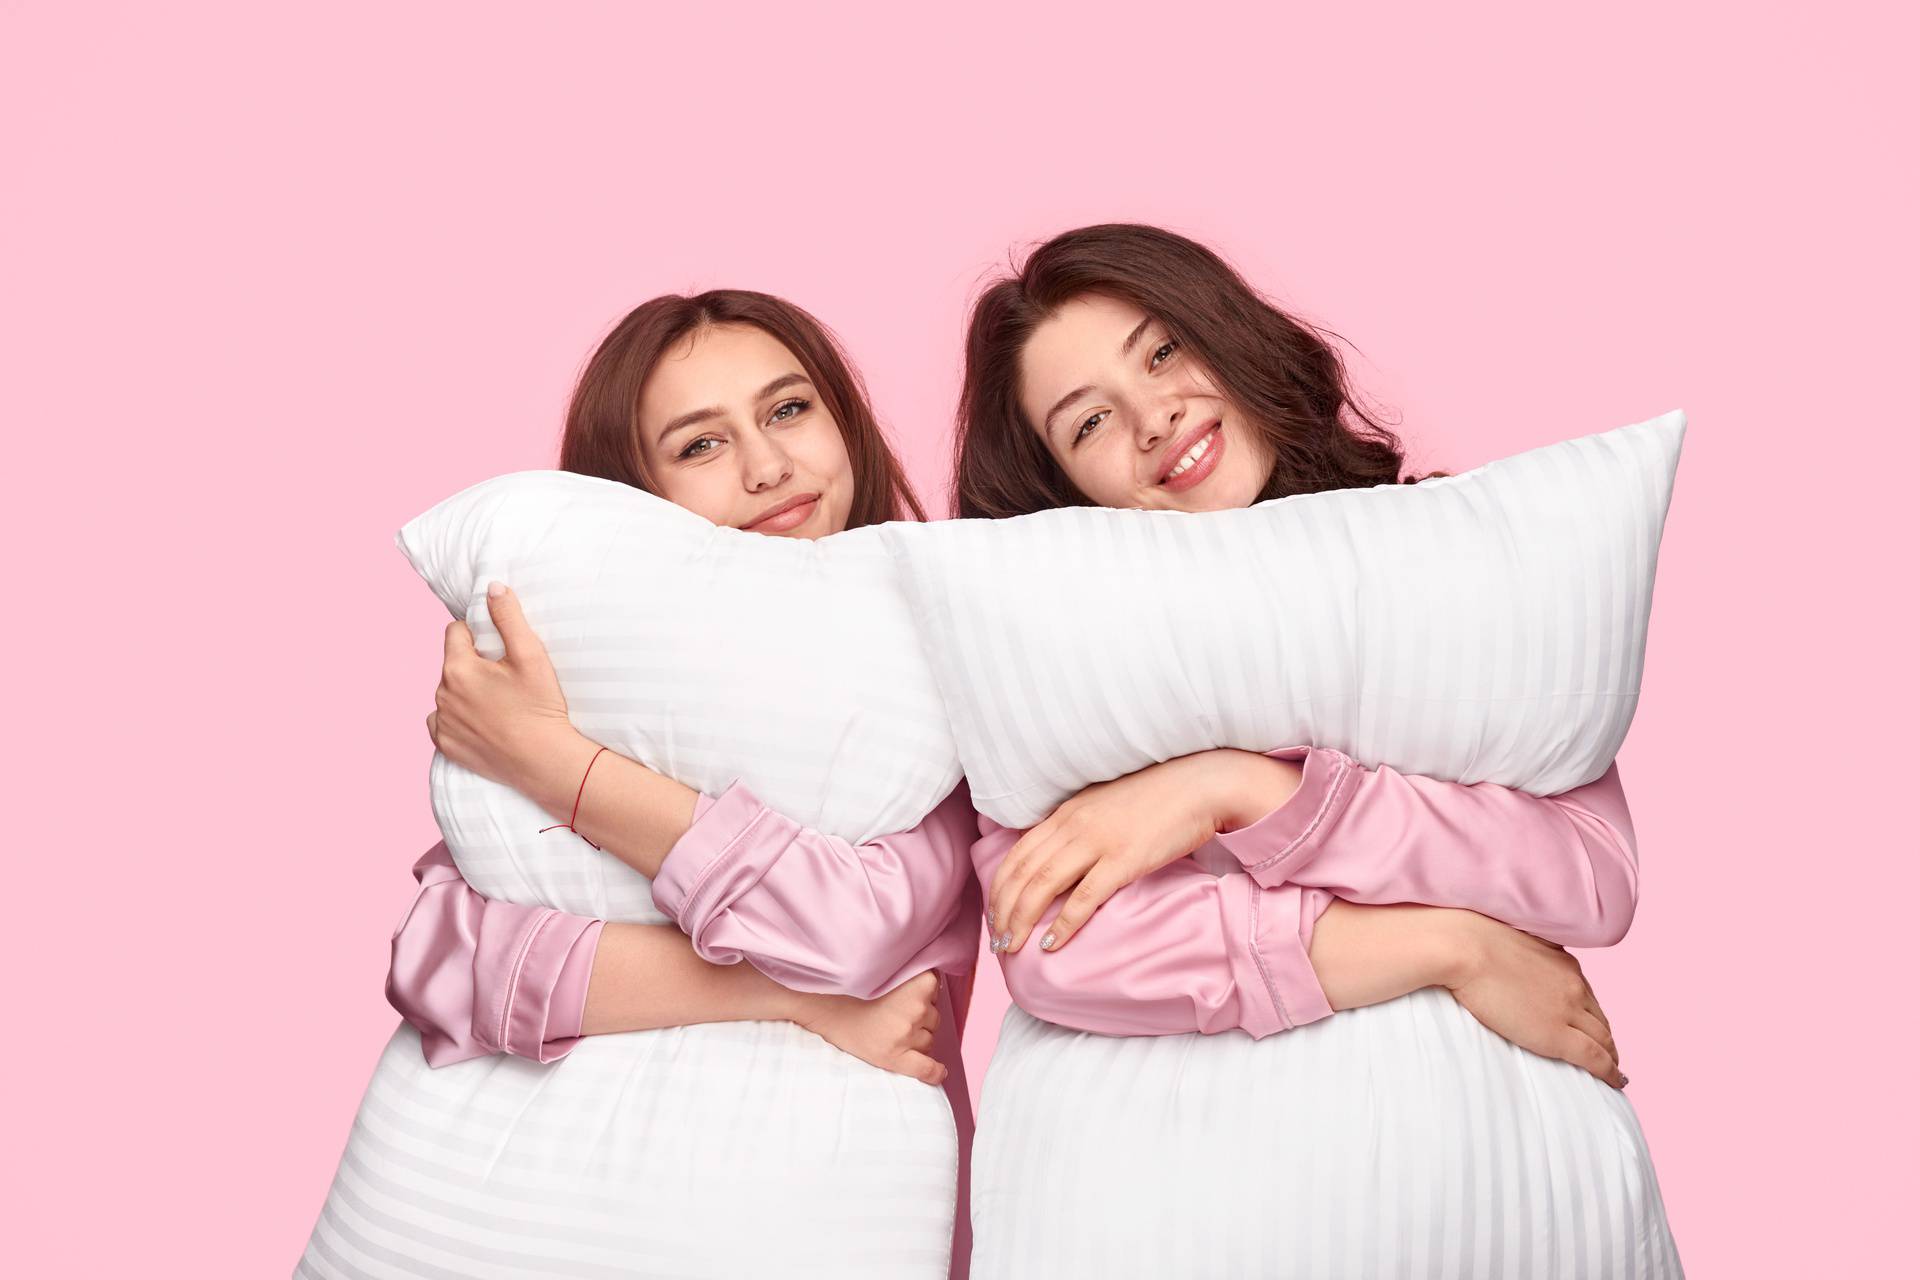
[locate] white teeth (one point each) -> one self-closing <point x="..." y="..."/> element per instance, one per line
<point x="1191" y="456"/>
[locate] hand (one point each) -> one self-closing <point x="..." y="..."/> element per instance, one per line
<point x="893" y="1032"/>
<point x="1533" y="994"/>
<point x="503" y="720"/>
<point x="1114" y="833"/>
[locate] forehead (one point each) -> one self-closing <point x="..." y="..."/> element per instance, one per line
<point x="714" y="366"/>
<point x="1073" y="346"/>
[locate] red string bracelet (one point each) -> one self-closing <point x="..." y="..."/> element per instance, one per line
<point x="568" y="824"/>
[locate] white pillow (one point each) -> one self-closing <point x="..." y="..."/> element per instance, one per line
<point x="706" y="653"/>
<point x="1483" y="626"/>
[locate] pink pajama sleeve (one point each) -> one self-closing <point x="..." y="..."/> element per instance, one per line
<point x="1179" y="950"/>
<point x="1564" y="868"/>
<point x="1183" y="950"/>
<point x="818" y="913"/>
<point x="477" y="977"/>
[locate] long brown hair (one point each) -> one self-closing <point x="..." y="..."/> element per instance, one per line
<point x="1280" y="372"/>
<point x="602" y="437"/>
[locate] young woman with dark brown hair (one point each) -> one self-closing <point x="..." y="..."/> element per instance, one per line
<point x="1127" y="366"/>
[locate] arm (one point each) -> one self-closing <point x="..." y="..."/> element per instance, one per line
<point x="478" y="977"/>
<point x="1563" y="867"/>
<point x="819" y="913"/>
<point x="814" y="912"/>
<point x="1183" y="950"/>
<point x="1178" y="950"/>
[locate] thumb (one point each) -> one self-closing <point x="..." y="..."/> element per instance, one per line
<point x="504" y="608"/>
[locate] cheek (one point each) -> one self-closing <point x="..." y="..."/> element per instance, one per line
<point x="1105" y="475"/>
<point x="825" y="451"/>
<point x="1251" y="464"/>
<point x="703" y="491"/>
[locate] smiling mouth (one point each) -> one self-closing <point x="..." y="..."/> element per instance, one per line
<point x="1209" y="438"/>
<point x="786" y="513"/>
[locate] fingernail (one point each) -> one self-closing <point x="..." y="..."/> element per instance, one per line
<point x="1006" y="940"/>
<point x="1624" y="1082"/>
<point x="496" y="589"/>
<point x="1046" y="943"/>
<point x="990" y="920"/>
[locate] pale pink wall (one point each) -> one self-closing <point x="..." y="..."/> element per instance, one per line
<point x="276" y="283"/>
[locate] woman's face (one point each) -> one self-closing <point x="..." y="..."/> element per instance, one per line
<point x="1132" y="418"/>
<point x="732" y="429"/>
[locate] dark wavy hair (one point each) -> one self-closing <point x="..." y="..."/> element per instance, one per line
<point x="1280" y="372"/>
<point x="602" y="436"/>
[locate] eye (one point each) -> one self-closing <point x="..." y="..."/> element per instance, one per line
<point x="798" y="406"/>
<point x="1164" y="352"/>
<point x="694" y="451"/>
<point x="1089" y="425"/>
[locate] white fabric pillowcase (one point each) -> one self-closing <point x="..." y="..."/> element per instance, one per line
<point x="706" y="653"/>
<point x="1487" y="626"/>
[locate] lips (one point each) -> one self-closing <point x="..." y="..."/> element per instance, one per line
<point x="1179" y="449"/>
<point x="786" y="514"/>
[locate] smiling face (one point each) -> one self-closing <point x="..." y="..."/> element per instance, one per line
<point x="731" y="428"/>
<point x="1133" y="418"/>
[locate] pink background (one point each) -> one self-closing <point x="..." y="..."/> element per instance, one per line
<point x="279" y="278"/>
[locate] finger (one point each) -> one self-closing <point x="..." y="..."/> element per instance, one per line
<point x="459" y="642"/>
<point x="1012" y="874"/>
<point x="920" y="1038"/>
<point x="1583" y="1051"/>
<point x="1041" y="892"/>
<point x="522" y="645"/>
<point x="921" y="1067"/>
<point x="1089" y="896"/>
<point x="1592" y="1005"/>
<point x="433" y="727"/>
<point x="1597" y="1033"/>
<point x="931" y="1018"/>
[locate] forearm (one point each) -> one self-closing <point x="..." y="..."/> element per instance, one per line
<point x="1561" y="867"/>
<point x="1366" y="955"/>
<point x="1180" y="950"/>
<point x="648" y="976"/>
<point x="819" y="913"/>
<point x="627" y="809"/>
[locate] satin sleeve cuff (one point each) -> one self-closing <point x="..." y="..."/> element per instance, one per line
<point x="1313" y="905"/>
<point x="718" y="833"/>
<point x="1278" y="987"/>
<point x="568" y="1009"/>
<point x="1273" y="848"/>
<point x="536" y="1002"/>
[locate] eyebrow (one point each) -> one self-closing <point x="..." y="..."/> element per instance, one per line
<point x="695" y="416"/>
<point x="1126" y="348"/>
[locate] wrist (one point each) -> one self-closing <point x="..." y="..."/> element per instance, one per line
<point x="1248" y="786"/>
<point x="552" y="767"/>
<point x="802" y="1009"/>
<point x="1454" y="946"/>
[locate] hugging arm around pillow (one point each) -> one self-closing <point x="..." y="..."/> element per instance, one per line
<point x="479" y="976"/>
<point x="1564" y="868"/>
<point x="1176" y="951"/>
<point x="822" y="914"/>
<point x="1183" y="950"/>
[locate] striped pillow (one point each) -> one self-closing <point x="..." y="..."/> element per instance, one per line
<point x="704" y="652"/>
<point x="1483" y="626"/>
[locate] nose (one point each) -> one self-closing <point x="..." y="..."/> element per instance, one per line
<point x="763" y="463"/>
<point x="1158" y="421"/>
